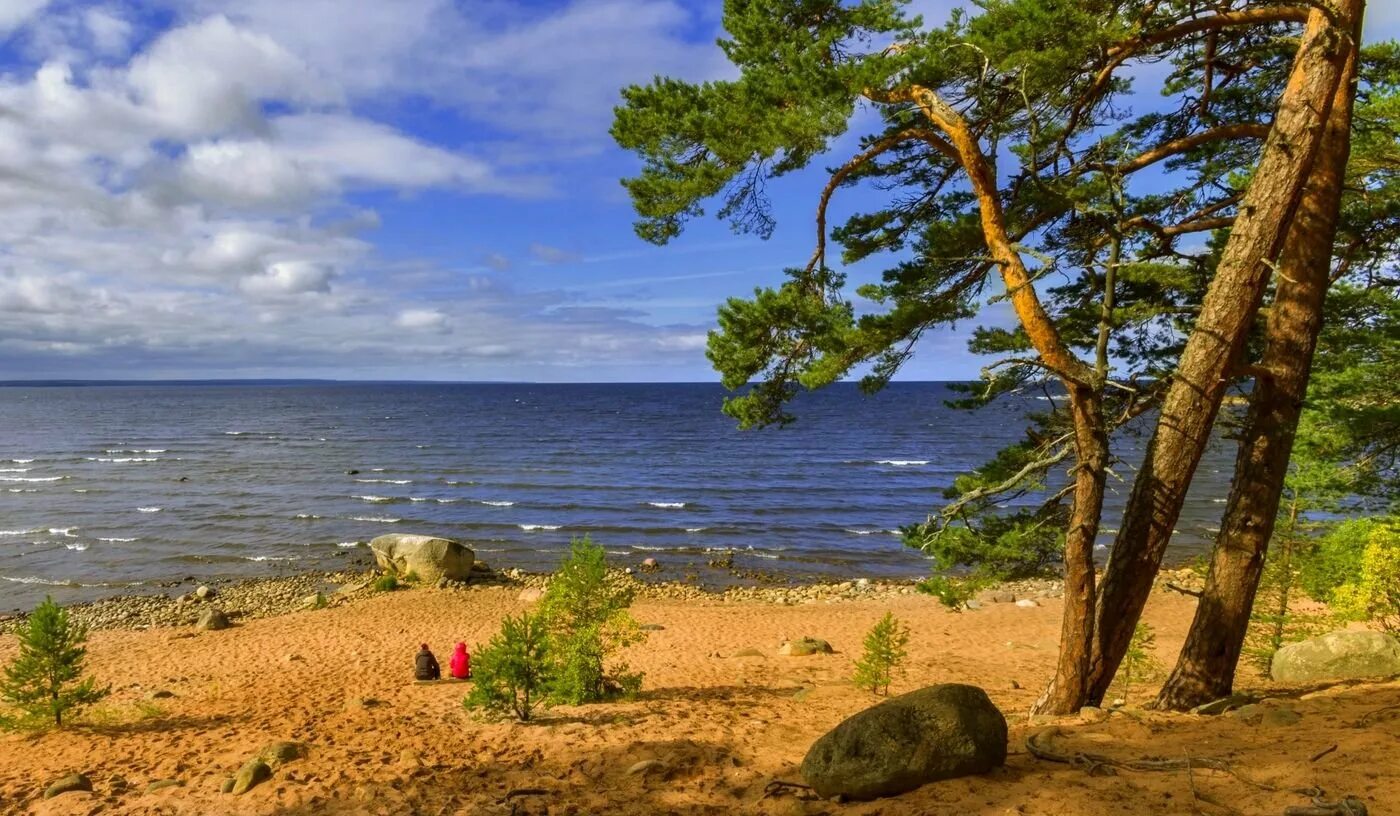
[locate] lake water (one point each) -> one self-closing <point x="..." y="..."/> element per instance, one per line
<point x="103" y="489"/>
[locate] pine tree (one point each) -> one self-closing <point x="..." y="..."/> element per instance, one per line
<point x="885" y="652"/>
<point x="1138" y="661"/>
<point x="512" y="670"/>
<point x="43" y="679"/>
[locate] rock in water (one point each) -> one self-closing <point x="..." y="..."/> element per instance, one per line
<point x="1338" y="656"/>
<point x="431" y="558"/>
<point x="212" y="620"/>
<point x="253" y="772"/>
<point x="939" y="732"/>
<point x="68" y="784"/>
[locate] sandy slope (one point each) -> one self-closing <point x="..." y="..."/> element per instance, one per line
<point x="724" y="726"/>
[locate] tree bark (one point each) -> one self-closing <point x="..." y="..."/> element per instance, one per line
<point x="1205" y="669"/>
<point x="1193" y="399"/>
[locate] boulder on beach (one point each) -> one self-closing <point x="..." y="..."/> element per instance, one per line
<point x="805" y="646"/>
<point x="1357" y="655"/>
<point x="429" y="557"/>
<point x="68" y="784"/>
<point x="253" y="772"/>
<point x="939" y="732"/>
<point x="212" y="620"/>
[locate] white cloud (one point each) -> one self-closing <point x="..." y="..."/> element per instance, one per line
<point x="289" y="278"/>
<point x="421" y="319"/>
<point x="553" y="255"/>
<point x="15" y="13"/>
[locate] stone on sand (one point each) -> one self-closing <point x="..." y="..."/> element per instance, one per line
<point x="429" y="557"/>
<point x="646" y="766"/>
<point x="279" y="753"/>
<point x="253" y="772"/>
<point x="212" y="620"/>
<point x="805" y="646"/>
<point x="938" y="732"/>
<point x="1347" y="655"/>
<point x="204" y="593"/>
<point x="531" y="594"/>
<point x="69" y="784"/>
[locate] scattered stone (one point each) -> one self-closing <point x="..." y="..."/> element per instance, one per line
<point x="652" y="627"/>
<point x="253" y="772"/>
<point x="750" y="652"/>
<point x="212" y="620"/>
<point x="1224" y="704"/>
<point x="531" y="594"/>
<point x="1280" y="718"/>
<point x="430" y="557"/>
<point x="314" y="601"/>
<point x="204" y="593"/>
<point x="724" y="560"/>
<point x="227" y="787"/>
<point x="118" y="783"/>
<point x="973" y="604"/>
<point x="443" y="582"/>
<point x="161" y="784"/>
<point x="862" y="584"/>
<point x="160" y="694"/>
<point x="805" y="646"/>
<point x="1092" y="714"/>
<point x="1250" y="714"/>
<point x="68" y="784"/>
<point x="277" y="754"/>
<point x="938" y="732"/>
<point x="1003" y="597"/>
<point x="1347" y="655"/>
<point x="1027" y="603"/>
<point x="646" y="766"/>
<point x="363" y="703"/>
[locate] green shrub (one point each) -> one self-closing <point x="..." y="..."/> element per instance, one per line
<point x="1374" y="595"/>
<point x="588" y="623"/>
<point x="412" y="578"/>
<point x="1336" y="557"/>
<point x="43" y="679"/>
<point x="511" y="673"/>
<point x="885" y="652"/>
<point x="1273" y="621"/>
<point x="386" y="583"/>
<point x="953" y="591"/>
<point x="1139" y="663"/>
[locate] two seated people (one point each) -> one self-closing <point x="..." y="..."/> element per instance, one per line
<point x="425" y="665"/>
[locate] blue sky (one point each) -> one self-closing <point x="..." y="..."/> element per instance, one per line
<point x="417" y="189"/>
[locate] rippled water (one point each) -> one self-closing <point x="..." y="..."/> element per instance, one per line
<point x="108" y="487"/>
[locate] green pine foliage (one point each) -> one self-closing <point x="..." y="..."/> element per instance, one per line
<point x="1374" y="593"/>
<point x="511" y="673"/>
<point x="44" y="681"/>
<point x="386" y="583"/>
<point x="1139" y="662"/>
<point x="886" y="649"/>
<point x="586" y="614"/>
<point x="1275" y="620"/>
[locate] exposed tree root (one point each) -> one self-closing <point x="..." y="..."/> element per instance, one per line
<point x="1348" y="806"/>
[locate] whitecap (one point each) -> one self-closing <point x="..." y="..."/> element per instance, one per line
<point x="235" y="433"/>
<point x="80" y="490"/>
<point x="32" y="478"/>
<point x="24" y="490"/>
<point x="122" y="459"/>
<point x="348" y="544"/>
<point x="380" y="519"/>
<point x="14" y="470"/>
<point x="134" y="450"/>
<point x="532" y="527"/>
<point x="35" y="580"/>
<point x="767" y="555"/>
<point x="854" y="531"/>
<point x="696" y="529"/>
<point x="499" y="503"/>
<point x="148" y="509"/>
<point x="667" y="505"/>
<point x="902" y="462"/>
<point x="273" y="557"/>
<point x="447" y="501"/>
<point x="18" y="532"/>
<point x="377" y="470"/>
<point x="21" y="461"/>
<point x="419" y="499"/>
<point x="307" y="516"/>
<point x="385" y="481"/>
<point x="67" y="532"/>
<point x="117" y="540"/>
<point x="77" y="546"/>
<point x="374" y="499"/>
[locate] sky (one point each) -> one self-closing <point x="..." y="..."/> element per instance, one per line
<point x="358" y="189"/>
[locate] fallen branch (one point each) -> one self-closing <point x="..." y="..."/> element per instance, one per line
<point x="1194" y="593"/>
<point x="778" y="787"/>
<point x="1324" y="752"/>
<point x="1347" y="806"/>
<point x="524" y="792"/>
<point x="1038" y="745"/>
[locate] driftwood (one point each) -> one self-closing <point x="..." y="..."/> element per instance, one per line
<point x="1348" y="806"/>
<point x="1038" y="745"/>
<point x="778" y="787"/>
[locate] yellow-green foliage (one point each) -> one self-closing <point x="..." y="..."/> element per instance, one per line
<point x="885" y="652"/>
<point x="1375" y="594"/>
<point x="1139" y="662"/>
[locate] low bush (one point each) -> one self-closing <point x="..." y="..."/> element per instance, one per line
<point x="386" y="583"/>
<point x="511" y="672"/>
<point x="586" y="614"/>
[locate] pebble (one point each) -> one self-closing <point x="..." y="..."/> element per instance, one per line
<point x="646" y="766"/>
<point x="1027" y="603"/>
<point x="1092" y="714"/>
<point x="68" y="784"/>
<point x="163" y="783"/>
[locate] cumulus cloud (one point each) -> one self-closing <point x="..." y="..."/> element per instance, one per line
<point x="15" y="13"/>
<point x="421" y="319"/>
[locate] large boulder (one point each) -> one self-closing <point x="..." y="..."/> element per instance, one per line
<point x="429" y="557"/>
<point x="939" y="732"/>
<point x="1352" y="655"/>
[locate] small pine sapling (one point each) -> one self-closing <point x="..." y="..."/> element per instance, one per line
<point x="43" y="679"/>
<point x="885" y="651"/>
<point x="1138" y="662"/>
<point x="512" y="671"/>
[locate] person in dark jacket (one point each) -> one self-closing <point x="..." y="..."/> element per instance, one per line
<point x="425" y="666"/>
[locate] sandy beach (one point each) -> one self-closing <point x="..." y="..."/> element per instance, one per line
<point x="338" y="681"/>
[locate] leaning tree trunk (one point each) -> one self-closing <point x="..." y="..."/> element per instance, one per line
<point x="1066" y="693"/>
<point x="1205" y="669"/>
<point x="1231" y="303"/>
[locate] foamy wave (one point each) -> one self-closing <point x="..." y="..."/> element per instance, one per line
<point x="148" y="509"/>
<point x="307" y="516"/>
<point x="375" y="499"/>
<point x="77" y="546"/>
<point x="117" y="540"/>
<point x="122" y="459"/>
<point x="531" y="527"/>
<point x="769" y="556"/>
<point x="134" y="450"/>
<point x="499" y="503"/>
<point x="696" y="529"/>
<point x="25" y="490"/>
<point x="273" y="557"/>
<point x="21" y="461"/>
<point x="80" y="490"/>
<point x="854" y="531"/>
<point x="235" y="433"/>
<point x="668" y="505"/>
<point x="348" y="544"/>
<point x="18" y="532"/>
<point x="35" y="580"/>
<point x="385" y="481"/>
<point x="902" y="462"/>
<point x="14" y="470"/>
<point x="458" y="482"/>
<point x="67" y="532"/>
<point x="379" y="519"/>
<point x="32" y="478"/>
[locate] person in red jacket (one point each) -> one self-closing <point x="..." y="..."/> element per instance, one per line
<point x="461" y="664"/>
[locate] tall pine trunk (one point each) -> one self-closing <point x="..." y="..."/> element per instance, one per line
<point x="1205" y="669"/>
<point x="1193" y="399"/>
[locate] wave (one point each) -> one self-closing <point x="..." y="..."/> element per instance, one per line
<point x="696" y="529"/>
<point x="14" y="470"/>
<point x="80" y="490"/>
<point x="499" y="503"/>
<point x="902" y="462"/>
<point x="458" y="482"/>
<point x="667" y="505"/>
<point x="18" y="532"/>
<point x="67" y="532"/>
<point x="25" y="490"/>
<point x="385" y="481"/>
<point x="376" y="499"/>
<point x="123" y="459"/>
<point x="531" y="527"/>
<point x="379" y="519"/>
<point x="118" y="540"/>
<point x="148" y="509"/>
<point x="32" y="478"/>
<point x="77" y="546"/>
<point x="272" y="557"/>
<point x="41" y="581"/>
<point x="347" y="544"/>
<point x="135" y="450"/>
<point x="306" y="516"/>
<point x="21" y="461"/>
